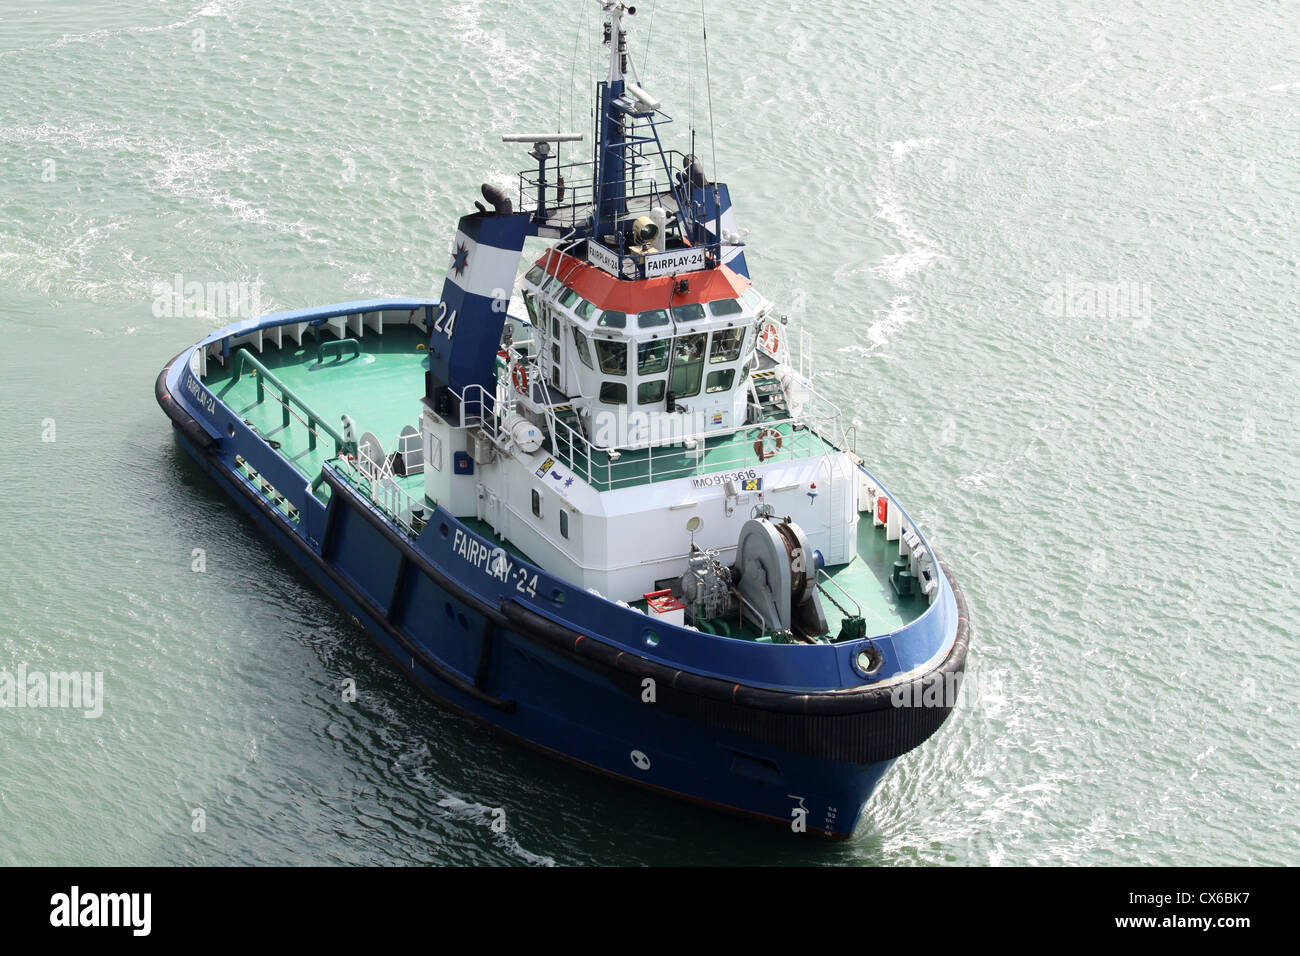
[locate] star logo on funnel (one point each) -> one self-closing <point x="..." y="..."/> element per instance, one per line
<point x="459" y="260"/>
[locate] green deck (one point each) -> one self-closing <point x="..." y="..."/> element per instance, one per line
<point x="380" y="390"/>
<point x="866" y="577"/>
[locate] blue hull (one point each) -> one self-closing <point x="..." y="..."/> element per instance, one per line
<point x="721" y="730"/>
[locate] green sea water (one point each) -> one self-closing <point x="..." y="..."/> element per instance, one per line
<point x="1049" y="255"/>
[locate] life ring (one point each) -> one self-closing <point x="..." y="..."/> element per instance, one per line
<point x="519" y="376"/>
<point x="771" y="340"/>
<point x="768" y="444"/>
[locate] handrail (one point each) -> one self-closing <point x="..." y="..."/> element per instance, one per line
<point x="313" y="422"/>
<point x="580" y="187"/>
<point x="384" y="492"/>
<point x="818" y="425"/>
<point x="337" y="345"/>
<point x="821" y="573"/>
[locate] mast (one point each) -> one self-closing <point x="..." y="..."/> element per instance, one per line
<point x="610" y="166"/>
<point x="632" y="177"/>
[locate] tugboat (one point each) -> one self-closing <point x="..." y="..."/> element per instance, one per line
<point x="624" y="527"/>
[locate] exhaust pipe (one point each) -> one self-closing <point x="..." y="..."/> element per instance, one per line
<point x="501" y="203"/>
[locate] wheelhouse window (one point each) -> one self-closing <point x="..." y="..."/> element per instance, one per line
<point x="535" y="275"/>
<point x="584" y="309"/>
<point x="726" y="307"/>
<point x="612" y="357"/>
<point x="652" y="357"/>
<point x="727" y="344"/>
<point x="568" y="298"/>
<point x="580" y="346"/>
<point x="720" y="381"/>
<point x="613" y="393"/>
<point x="692" y="312"/>
<point x="647" y="393"/>
<point x="610" y="319"/>
<point x="653" y="319"/>
<point x="688" y="365"/>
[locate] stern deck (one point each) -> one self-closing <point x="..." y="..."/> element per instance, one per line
<point x="378" y="388"/>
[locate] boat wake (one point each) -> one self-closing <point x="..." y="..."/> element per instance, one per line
<point x="885" y="326"/>
<point x="899" y="268"/>
<point x="212" y="9"/>
<point x="921" y="250"/>
<point x="485" y="816"/>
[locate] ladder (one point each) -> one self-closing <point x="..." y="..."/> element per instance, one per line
<point x="771" y="397"/>
<point x="563" y="444"/>
<point x="839" y="527"/>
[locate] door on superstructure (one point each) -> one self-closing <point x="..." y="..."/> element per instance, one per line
<point x="557" y="349"/>
<point x="687" y="368"/>
<point x="492" y="510"/>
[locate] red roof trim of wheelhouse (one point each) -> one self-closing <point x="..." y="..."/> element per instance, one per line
<point x="627" y="295"/>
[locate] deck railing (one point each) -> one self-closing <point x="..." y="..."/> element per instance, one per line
<point x="377" y="482"/>
<point x="580" y="197"/>
<point x="287" y="400"/>
<point x="818" y="425"/>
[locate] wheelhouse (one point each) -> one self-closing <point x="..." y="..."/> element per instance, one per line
<point x="643" y="362"/>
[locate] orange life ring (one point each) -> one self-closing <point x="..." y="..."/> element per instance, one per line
<point x="771" y="340"/>
<point x="768" y="444"/>
<point x="519" y="376"/>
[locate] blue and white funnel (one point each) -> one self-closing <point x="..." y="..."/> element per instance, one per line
<point x="468" y="322"/>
